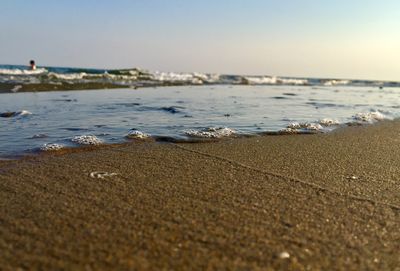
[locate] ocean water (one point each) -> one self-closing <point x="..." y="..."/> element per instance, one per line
<point x="40" y="121"/>
<point x="18" y="78"/>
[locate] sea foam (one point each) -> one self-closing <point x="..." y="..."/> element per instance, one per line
<point x="328" y="122"/>
<point x="87" y="140"/>
<point x="273" y="80"/>
<point x="307" y="126"/>
<point x="67" y="76"/>
<point x="212" y="132"/>
<point x="370" y="117"/>
<point x="319" y="126"/>
<point x="51" y="147"/>
<point x="134" y="134"/>
<point x="336" y="82"/>
<point x="22" y="72"/>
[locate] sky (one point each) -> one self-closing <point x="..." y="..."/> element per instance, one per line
<point x="355" y="39"/>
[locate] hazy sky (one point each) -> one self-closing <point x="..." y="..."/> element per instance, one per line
<point x="316" y="38"/>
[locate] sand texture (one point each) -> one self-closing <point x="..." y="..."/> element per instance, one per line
<point x="299" y="202"/>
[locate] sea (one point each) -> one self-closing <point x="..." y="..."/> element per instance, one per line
<point x="52" y="108"/>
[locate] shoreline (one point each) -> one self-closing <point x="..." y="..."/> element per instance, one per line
<point x="293" y="202"/>
<point x="7" y="88"/>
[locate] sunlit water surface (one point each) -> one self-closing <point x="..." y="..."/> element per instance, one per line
<point x="57" y="117"/>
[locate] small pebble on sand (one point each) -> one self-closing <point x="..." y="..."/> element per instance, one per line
<point x="352" y="177"/>
<point x="101" y="174"/>
<point x="284" y="255"/>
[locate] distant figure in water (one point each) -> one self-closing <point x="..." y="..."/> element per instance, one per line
<point x="32" y="65"/>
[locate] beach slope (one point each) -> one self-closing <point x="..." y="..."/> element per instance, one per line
<point x="299" y="202"/>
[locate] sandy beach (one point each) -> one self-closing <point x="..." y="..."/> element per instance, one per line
<point x="297" y="202"/>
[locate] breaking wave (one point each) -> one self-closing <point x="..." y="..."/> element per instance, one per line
<point x="11" y="114"/>
<point x="19" y="78"/>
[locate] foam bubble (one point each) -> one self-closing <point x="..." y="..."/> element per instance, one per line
<point x="301" y="127"/>
<point x="370" y="117"/>
<point x="211" y="132"/>
<point x="328" y="122"/>
<point x="87" y="140"/>
<point x="296" y="127"/>
<point x="134" y="134"/>
<point x="289" y="130"/>
<point x="307" y="126"/>
<point x="51" y="147"/>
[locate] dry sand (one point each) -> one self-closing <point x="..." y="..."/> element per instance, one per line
<point x="303" y="202"/>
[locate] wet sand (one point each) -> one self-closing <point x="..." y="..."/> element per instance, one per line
<point x="300" y="202"/>
<point x="42" y="87"/>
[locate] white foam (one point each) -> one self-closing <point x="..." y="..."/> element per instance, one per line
<point x="308" y="126"/>
<point x="176" y="77"/>
<point x="51" y="147"/>
<point x="68" y="76"/>
<point x="134" y="134"/>
<point x="23" y="113"/>
<point x="293" y="81"/>
<point x="273" y="80"/>
<point x="328" y="122"/>
<point x="21" y="72"/>
<point x="207" y="78"/>
<point x="336" y="82"/>
<point x="261" y="80"/>
<point x="15" y="114"/>
<point x="370" y="117"/>
<point x="191" y="78"/>
<point x="211" y="132"/>
<point x="87" y="140"/>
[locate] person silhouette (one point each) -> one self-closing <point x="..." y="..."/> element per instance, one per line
<point x="32" y="65"/>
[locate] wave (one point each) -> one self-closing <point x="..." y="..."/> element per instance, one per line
<point x="11" y="114"/>
<point x="22" y="71"/>
<point x="19" y="78"/>
<point x="336" y="82"/>
<point x="267" y="80"/>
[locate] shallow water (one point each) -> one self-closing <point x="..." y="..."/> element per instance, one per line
<point x="58" y="117"/>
